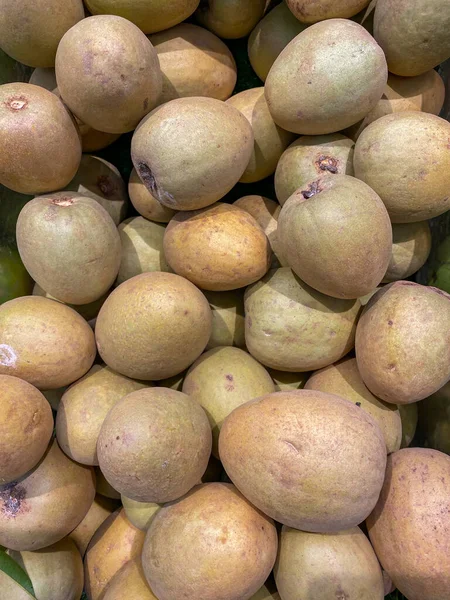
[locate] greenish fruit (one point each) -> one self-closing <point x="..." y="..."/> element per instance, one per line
<point x="228" y="321"/>
<point x="441" y="277"/>
<point x="409" y="414"/>
<point x="145" y="203"/>
<point x="14" y="278"/>
<point x="140" y="514"/>
<point x="87" y="311"/>
<point x="413" y="34"/>
<point x="310" y="157"/>
<point x="342" y="78"/>
<point x="11" y="70"/>
<point x="310" y="11"/>
<point x="411" y="247"/>
<point x="434" y="415"/>
<point x="336" y="211"/>
<point x="173" y="383"/>
<point x="285" y="381"/>
<point x="230" y="19"/>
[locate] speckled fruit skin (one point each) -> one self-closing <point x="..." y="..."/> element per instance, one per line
<point x="190" y="152"/>
<point x="108" y="73"/>
<point x="411" y="246"/>
<point x="26" y="426"/>
<point x="402" y="342"/>
<point x="130" y="580"/>
<point x="47" y="504"/>
<point x="228" y="546"/>
<point x="297" y="456"/>
<point x="218" y="248"/>
<point x="101" y="508"/>
<point x="154" y="445"/>
<point x="153" y="326"/>
<point x="410" y="526"/>
<point x="230" y="19"/>
<point x="343" y="76"/>
<point x="311" y="11"/>
<point x="44" y="342"/>
<point x="291" y="327"/>
<point x="146" y="204"/>
<point x="413" y="34"/>
<point x="314" y="565"/>
<point x="336" y="235"/>
<point x="45" y="151"/>
<point x="435" y="419"/>
<point x="405" y="158"/>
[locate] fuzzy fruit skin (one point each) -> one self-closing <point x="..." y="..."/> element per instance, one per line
<point x="338" y="565"/>
<point x="402" y="343"/>
<point x="230" y="19"/>
<point x="300" y="468"/>
<point x="45" y="151"/>
<point x="435" y="419"/>
<point x="413" y="34"/>
<point x="343" y="76"/>
<point x="311" y="11"/>
<point x="150" y="16"/>
<point x="190" y="152"/>
<point x="229" y="547"/>
<point x="146" y="204"/>
<point x="218" y="248"/>
<point x="129" y="581"/>
<point x="101" y="508"/>
<point x="31" y="30"/>
<point x="44" y="342"/>
<point x="413" y="503"/>
<point x="26" y="425"/>
<point x="411" y="247"/>
<point x="108" y="73"/>
<point x="405" y="158"/>
<point x="140" y="514"/>
<point x="46" y="504"/>
<point x="343" y="214"/>
<point x="291" y="327"/>
<point x="153" y="326"/>
<point x="228" y="321"/>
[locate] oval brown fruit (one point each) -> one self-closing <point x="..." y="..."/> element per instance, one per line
<point x="129" y="581"/>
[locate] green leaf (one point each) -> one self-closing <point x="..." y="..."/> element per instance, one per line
<point x="15" y="571"/>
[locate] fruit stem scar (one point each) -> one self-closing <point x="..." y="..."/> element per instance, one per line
<point x="327" y="163"/>
<point x="17" y="103"/>
<point x="313" y="189"/>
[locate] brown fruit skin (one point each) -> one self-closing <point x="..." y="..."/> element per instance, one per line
<point x="47" y="504"/>
<point x="45" y="151"/>
<point x="153" y="326"/>
<point x="97" y="74"/>
<point x="343" y="379"/>
<point x="405" y="158"/>
<point x="129" y="582"/>
<point x="310" y="157"/>
<point x="300" y="468"/>
<point x="44" y="342"/>
<point x="292" y="327"/>
<point x="26" y="426"/>
<point x="115" y="543"/>
<point x="413" y="35"/>
<point x="401" y="333"/>
<point x="194" y="62"/>
<point x="339" y="565"/>
<point x="84" y="407"/>
<point x="435" y="419"/>
<point x="270" y="140"/>
<point x="332" y="93"/>
<point x="218" y="248"/>
<point x="190" y="152"/>
<point x="230" y="19"/>
<point x="146" y="204"/>
<point x="99" y="511"/>
<point x="411" y="247"/>
<point x="140" y="514"/>
<point x="69" y="245"/>
<point x="410" y="526"/>
<point x="228" y="546"/>
<point x="344" y="213"/>
<point x="154" y="445"/>
<point x="228" y="321"/>
<point x="310" y="11"/>
<point x="31" y="30"/>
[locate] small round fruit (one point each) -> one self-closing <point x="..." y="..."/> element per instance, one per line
<point x="146" y="204"/>
<point x="310" y="11"/>
<point x="435" y="419"/>
<point x="129" y="582"/>
<point x="228" y="321"/>
<point x="140" y="514"/>
<point x="230" y="19"/>
<point x="411" y="247"/>
<point x="101" y="508"/>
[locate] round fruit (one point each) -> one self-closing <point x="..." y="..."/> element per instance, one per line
<point x="411" y="246"/>
<point x="230" y="19"/>
<point x="310" y="11"/>
<point x="435" y="419"/>
<point x="228" y="321"/>
<point x="146" y="204"/>
<point x="140" y="514"/>
<point x="100" y="510"/>
<point x="129" y="581"/>
<point x="15" y="280"/>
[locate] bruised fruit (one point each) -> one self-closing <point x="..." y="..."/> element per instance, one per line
<point x="310" y="11"/>
<point x="129" y="582"/>
<point x="410" y="524"/>
<point x="87" y="311"/>
<point x="343" y="76"/>
<point x="154" y="445"/>
<point x="336" y="235"/>
<point x="194" y="62"/>
<point x="402" y="332"/>
<point x="153" y="326"/>
<point x="228" y="546"/>
<point x="435" y="419"/>
<point x="298" y="457"/>
<point x="44" y="342"/>
<point x="411" y="246"/>
<point x="30" y="30"/>
<point x="228" y="320"/>
<point x="286" y="381"/>
<point x="230" y="19"/>
<point x="140" y="514"/>
<point x="190" y="152"/>
<point x="292" y="327"/>
<point x="146" y="204"/>
<point x="218" y="248"/>
<point x="99" y="511"/>
<point x="84" y="407"/>
<point x="26" y="426"/>
<point x="108" y="73"/>
<point x="41" y="148"/>
<point x="69" y="245"/>
<point x="47" y="504"/>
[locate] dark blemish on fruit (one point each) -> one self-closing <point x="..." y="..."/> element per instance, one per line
<point x="229" y="377"/>
<point x="313" y="189"/>
<point x="105" y="185"/>
<point x="122" y="77"/>
<point x="118" y="437"/>
<point x="327" y="163"/>
<point x="12" y="496"/>
<point x="16" y="103"/>
<point x="390" y="322"/>
<point x="229" y="386"/>
<point x="300" y="115"/>
<point x="391" y="367"/>
<point x="358" y="403"/>
<point x="62" y="201"/>
<point x="147" y="177"/>
<point x="146" y="104"/>
<point x="186" y="312"/>
<point x="309" y="82"/>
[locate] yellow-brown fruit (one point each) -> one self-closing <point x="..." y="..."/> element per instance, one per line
<point x="146" y="204"/>
<point x="140" y="514"/>
<point x="435" y="419"/>
<point x="104" y="488"/>
<point x="228" y="546"/>
<point x="230" y="19"/>
<point x="44" y="342"/>
<point x="310" y="11"/>
<point x="93" y="140"/>
<point x="41" y="148"/>
<point x="411" y="246"/>
<point x="129" y="582"/>
<point x="218" y="248"/>
<point x="228" y="321"/>
<point x="153" y="326"/>
<point x="26" y="426"/>
<point x="298" y="457"/>
<point x="100" y="510"/>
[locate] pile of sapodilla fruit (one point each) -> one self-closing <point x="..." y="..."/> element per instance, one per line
<point x="174" y="390"/>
